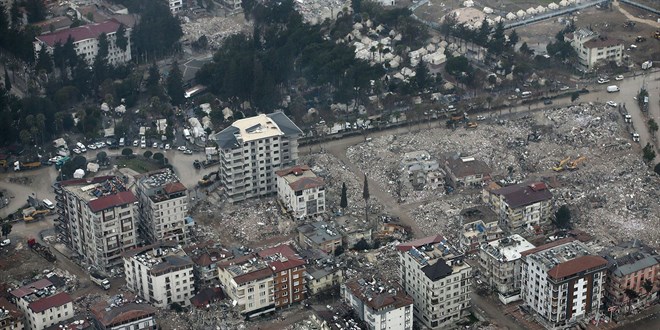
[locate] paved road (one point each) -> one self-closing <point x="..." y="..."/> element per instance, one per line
<point x="494" y="312"/>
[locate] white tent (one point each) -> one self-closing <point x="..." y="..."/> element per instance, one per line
<point x="490" y="21"/>
<point x="531" y="11"/>
<point x="488" y="10"/>
<point x="105" y="107"/>
<point x="498" y="19"/>
<point x="563" y="3"/>
<point x="540" y="9"/>
<point x="120" y="109"/>
<point x="520" y="13"/>
<point x="468" y="3"/>
<point x="570" y="2"/>
<point x="79" y="174"/>
<point x="92" y="167"/>
<point x="511" y="16"/>
<point x="553" y="6"/>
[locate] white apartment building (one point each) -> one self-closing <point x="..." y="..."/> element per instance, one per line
<point x="85" y="41"/>
<point x="520" y="206"/>
<point x="594" y="49"/>
<point x="175" y="6"/>
<point x="501" y="267"/>
<point x="249" y="282"/>
<point x="161" y="274"/>
<point x="562" y="282"/>
<point x="434" y="274"/>
<point x="301" y="191"/>
<point x="380" y="307"/>
<point x="97" y="219"/>
<point x="163" y="207"/>
<point x="42" y="305"/>
<point x="251" y="150"/>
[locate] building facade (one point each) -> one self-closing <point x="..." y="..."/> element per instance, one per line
<point x="323" y="278"/>
<point x="501" y="267"/>
<point x="435" y="275"/>
<point x="175" y="6"/>
<point x="11" y="317"/>
<point x="593" y="49"/>
<point x="301" y="191"/>
<point x="125" y="316"/>
<point x="466" y="171"/>
<point x="288" y="275"/>
<point x="319" y="235"/>
<point x="380" y="307"/>
<point x="251" y="150"/>
<point x="562" y="282"/>
<point x="42" y="304"/>
<point x="86" y="41"/>
<point x="163" y="207"/>
<point x="521" y="206"/>
<point x="161" y="274"/>
<point x="97" y="219"/>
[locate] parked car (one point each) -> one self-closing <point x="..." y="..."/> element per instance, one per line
<point x="5" y="242"/>
<point x="92" y="146"/>
<point x="76" y="151"/>
<point x="143" y="145"/>
<point x="612" y="103"/>
<point x="603" y="80"/>
<point x="564" y="88"/>
<point x="167" y="146"/>
<point x="187" y="152"/>
<point x="155" y="145"/>
<point x="181" y="148"/>
<point x="619" y="77"/>
<point x="547" y="102"/>
<point x="135" y="143"/>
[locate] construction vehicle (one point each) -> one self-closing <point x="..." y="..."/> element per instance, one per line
<point x="471" y="125"/>
<point x="656" y="35"/>
<point x="21" y="166"/>
<point x="561" y="164"/>
<point x="100" y="280"/>
<point x="572" y="166"/>
<point x="207" y="180"/>
<point x="30" y="214"/>
<point x="41" y="250"/>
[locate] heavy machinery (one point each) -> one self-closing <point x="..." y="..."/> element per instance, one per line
<point x="574" y="164"/>
<point x="41" y="250"/>
<point x="21" y="166"/>
<point x="471" y="125"/>
<point x="657" y="34"/>
<point x="207" y="180"/>
<point x="561" y="164"/>
<point x="100" y="280"/>
<point x="31" y="214"/>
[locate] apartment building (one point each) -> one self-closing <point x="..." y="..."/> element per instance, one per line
<point x="435" y="275"/>
<point x="161" y="274"/>
<point x="251" y="150"/>
<point x="97" y="219"/>
<point x="593" y="49"/>
<point x="319" y="235"/>
<point x="42" y="304"/>
<point x="163" y="207"/>
<point x="206" y="257"/>
<point x="501" y="267"/>
<point x="301" y="191"/>
<point x="480" y="224"/>
<point x="521" y="206"/>
<point x="323" y="278"/>
<point x="10" y="316"/>
<point x="121" y="315"/>
<point x="466" y="171"/>
<point x="175" y="6"/>
<point x="262" y="282"/>
<point x="562" y="282"/>
<point x="233" y="5"/>
<point x="632" y="266"/>
<point x="379" y="305"/>
<point x="86" y="41"/>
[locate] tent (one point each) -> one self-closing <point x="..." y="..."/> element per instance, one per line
<point x="520" y="13"/>
<point x="92" y="167"/>
<point x="511" y="16"/>
<point x="540" y="9"/>
<point x="468" y="3"/>
<point x="563" y="3"/>
<point x="531" y="11"/>
<point x="498" y="19"/>
<point x="105" y="107"/>
<point x="488" y="10"/>
<point x="79" y="174"/>
<point x="553" y="6"/>
<point x="120" y="109"/>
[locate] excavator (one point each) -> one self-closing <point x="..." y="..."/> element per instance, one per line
<point x="207" y="180"/>
<point x="574" y="164"/>
<point x="31" y="214"/>
<point x="561" y="164"/>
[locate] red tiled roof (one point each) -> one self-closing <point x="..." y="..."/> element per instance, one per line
<point x="422" y="241"/>
<point x="306" y="183"/>
<point x="13" y="310"/>
<point x="255" y="275"/>
<point x="89" y="31"/>
<point x="56" y="300"/>
<point x="173" y="187"/>
<point x="106" y="202"/>
<point x="31" y="288"/>
<point x="294" y="169"/>
<point x="207" y="296"/>
<point x="292" y="258"/>
<point x="524" y="194"/>
<point x="547" y="246"/>
<point x="122" y="314"/>
<point x="76" y="182"/>
<point x="576" y="265"/>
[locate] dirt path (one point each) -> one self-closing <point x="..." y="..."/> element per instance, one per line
<point x="617" y="4"/>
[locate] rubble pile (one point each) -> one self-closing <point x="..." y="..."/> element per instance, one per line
<point x="215" y="316"/>
<point x="317" y="11"/>
<point x="216" y="29"/>
<point x="611" y="189"/>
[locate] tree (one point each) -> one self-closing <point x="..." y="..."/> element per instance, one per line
<point x="497" y="42"/>
<point x="653" y="126"/>
<point x="422" y="78"/>
<point x="361" y="245"/>
<point x="643" y="93"/>
<point x="344" y="199"/>
<point x="365" y="195"/>
<point x="574" y="96"/>
<point x="632" y="294"/>
<point x="36" y="10"/>
<point x="158" y="156"/>
<point x="158" y="31"/>
<point x="356" y="5"/>
<point x="7" y="81"/>
<point x="656" y="169"/>
<point x="513" y="39"/>
<point x="147" y="154"/>
<point x="44" y="62"/>
<point x="339" y="250"/>
<point x="153" y="80"/>
<point x="648" y="153"/>
<point x="120" y="38"/>
<point x="647" y="285"/>
<point x="6" y="229"/>
<point x="127" y="152"/>
<point x="563" y="217"/>
<point x="104" y="46"/>
<point x="175" y="85"/>
<point x="175" y="306"/>
<point x="525" y="50"/>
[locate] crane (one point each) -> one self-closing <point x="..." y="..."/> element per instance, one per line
<point x="574" y="164"/>
<point x="561" y="164"/>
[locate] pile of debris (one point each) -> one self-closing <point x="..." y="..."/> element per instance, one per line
<point x="317" y="11"/>
<point x="216" y="29"/>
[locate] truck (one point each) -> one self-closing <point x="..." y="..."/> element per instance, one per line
<point x="613" y="88"/>
<point x="21" y="166"/>
<point x="100" y="280"/>
<point x="647" y="65"/>
<point x="41" y="250"/>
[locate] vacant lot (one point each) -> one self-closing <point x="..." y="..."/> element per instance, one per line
<point x="138" y="164"/>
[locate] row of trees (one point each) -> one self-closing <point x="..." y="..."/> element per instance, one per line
<point x="492" y="38"/>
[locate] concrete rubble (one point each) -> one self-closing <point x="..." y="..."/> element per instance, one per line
<point x="216" y="29"/>
<point x="317" y="11"/>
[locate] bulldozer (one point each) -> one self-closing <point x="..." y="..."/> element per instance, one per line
<point x="574" y="164"/>
<point x="561" y="164"/>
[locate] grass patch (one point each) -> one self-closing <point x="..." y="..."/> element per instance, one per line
<point x="138" y="164"/>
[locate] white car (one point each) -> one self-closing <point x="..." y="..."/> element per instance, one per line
<point x="619" y="77"/>
<point x="181" y="148"/>
<point x="612" y="103"/>
<point x="564" y="88"/>
<point x="76" y="150"/>
<point x="188" y="152"/>
<point x="91" y="146"/>
<point x="5" y="242"/>
<point x="135" y="143"/>
<point x="481" y="118"/>
<point x="603" y="80"/>
<point x="155" y="145"/>
<point x="167" y="146"/>
<point x="101" y="145"/>
<point x="143" y="145"/>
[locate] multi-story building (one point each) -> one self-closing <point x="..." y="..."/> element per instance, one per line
<point x="175" y="6"/>
<point x="379" y="306"/>
<point x="319" y="235"/>
<point x="301" y="191"/>
<point x="465" y="171"/>
<point x="631" y="266"/>
<point x="10" y="316"/>
<point x="562" y="282"/>
<point x="435" y="275"/>
<point x="260" y="283"/>
<point x="323" y="278"/>
<point x="42" y="304"/>
<point x="251" y="150"/>
<point x="233" y="5"/>
<point x="521" y="206"/>
<point x="501" y="267"/>
<point x="163" y="207"/>
<point x="206" y="256"/>
<point x="161" y="274"/>
<point x="593" y="49"/>
<point x="122" y="315"/>
<point x="97" y="219"/>
<point x="480" y="224"/>
<point x="86" y="41"/>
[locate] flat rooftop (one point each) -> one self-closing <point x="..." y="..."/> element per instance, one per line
<point x="94" y="188"/>
<point x="565" y="258"/>
<point x="508" y="248"/>
<point x="160" y="258"/>
<point x="257" y="128"/>
<point x="435" y="256"/>
<point x="161" y="185"/>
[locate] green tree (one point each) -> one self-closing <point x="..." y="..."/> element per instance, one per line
<point x="101" y="157"/>
<point x="653" y="126"/>
<point x="103" y="47"/>
<point x="153" y="80"/>
<point x="356" y="5"/>
<point x="647" y="285"/>
<point x="36" y="10"/>
<point x="147" y="154"/>
<point x="631" y="294"/>
<point x="648" y="153"/>
<point x="344" y="199"/>
<point x="44" y="61"/>
<point x="7" y="81"/>
<point x="361" y="245"/>
<point x="497" y="42"/>
<point x="158" y="156"/>
<point x="157" y="32"/>
<point x="563" y="217"/>
<point x="120" y="38"/>
<point x="525" y="50"/>
<point x="482" y="35"/>
<point x="513" y="39"/>
<point x="175" y="85"/>
<point x="16" y="16"/>
<point x="656" y="169"/>
<point x="127" y="152"/>
<point x="365" y="195"/>
<point x="643" y="93"/>
<point x="6" y="229"/>
<point x="4" y="24"/>
<point x="574" y="96"/>
<point x="422" y="77"/>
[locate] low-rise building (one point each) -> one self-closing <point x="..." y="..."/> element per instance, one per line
<point x="501" y="267"/>
<point x="206" y="257"/>
<point x="301" y="191"/>
<point x="562" y="282"/>
<point x="124" y="316"/>
<point x="632" y="266"/>
<point x="422" y="171"/>
<point x="10" y="316"/>
<point x="161" y="274"/>
<point x="319" y="235"/>
<point x="466" y="171"/>
<point x="435" y="275"/>
<point x="175" y="6"/>
<point x="353" y="230"/>
<point x="521" y="206"/>
<point x="379" y="305"/>
<point x="323" y="278"/>
<point x="42" y="304"/>
<point x="593" y="49"/>
<point x="480" y="225"/>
